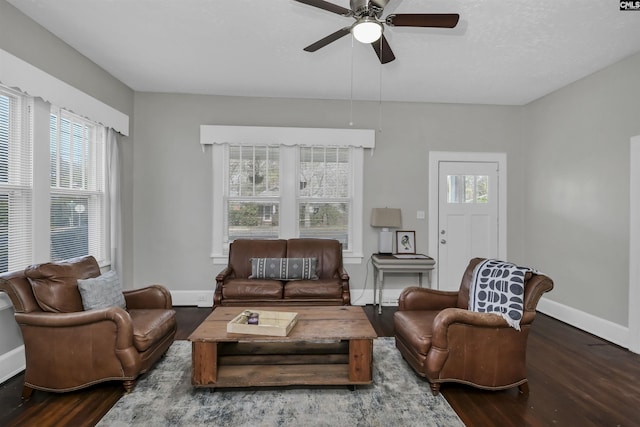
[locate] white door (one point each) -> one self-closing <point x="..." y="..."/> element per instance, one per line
<point x="467" y="217"/>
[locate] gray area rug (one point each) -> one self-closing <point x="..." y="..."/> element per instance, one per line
<point x="398" y="397"/>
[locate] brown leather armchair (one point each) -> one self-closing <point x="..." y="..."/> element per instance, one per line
<point x="67" y="348"/>
<point x="445" y="342"/>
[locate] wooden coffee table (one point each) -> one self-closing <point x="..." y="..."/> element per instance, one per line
<point x="328" y="346"/>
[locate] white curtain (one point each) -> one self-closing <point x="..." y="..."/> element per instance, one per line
<point x="115" y="214"/>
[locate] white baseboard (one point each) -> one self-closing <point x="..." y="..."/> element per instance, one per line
<point x="602" y="328"/>
<point x="12" y="363"/>
<point x="205" y="298"/>
<point x="197" y="298"/>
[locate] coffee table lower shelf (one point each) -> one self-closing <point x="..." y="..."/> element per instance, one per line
<point x="228" y="365"/>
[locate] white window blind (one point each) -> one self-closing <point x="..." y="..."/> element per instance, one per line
<point x="16" y="249"/>
<point x="77" y="149"/>
<point x="324" y="198"/>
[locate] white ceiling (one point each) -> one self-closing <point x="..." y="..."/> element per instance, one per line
<point x="501" y="52"/>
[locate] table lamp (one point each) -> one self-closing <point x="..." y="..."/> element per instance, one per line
<point x="386" y="218"/>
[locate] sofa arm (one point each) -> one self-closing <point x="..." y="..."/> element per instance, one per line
<point x="344" y="276"/>
<point x="415" y="298"/>
<point x="224" y="274"/>
<point x="346" y="292"/>
<point x="154" y="296"/>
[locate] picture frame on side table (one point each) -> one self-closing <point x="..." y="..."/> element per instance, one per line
<point x="405" y="242"/>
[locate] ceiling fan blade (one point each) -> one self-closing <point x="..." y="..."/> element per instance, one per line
<point x="327" y="6"/>
<point x="439" y="20"/>
<point x="383" y="50"/>
<point x="329" y="39"/>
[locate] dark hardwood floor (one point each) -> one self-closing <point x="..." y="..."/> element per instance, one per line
<point x="575" y="379"/>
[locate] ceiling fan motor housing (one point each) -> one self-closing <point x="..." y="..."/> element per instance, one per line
<point x="372" y="8"/>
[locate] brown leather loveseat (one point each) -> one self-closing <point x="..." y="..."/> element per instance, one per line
<point x="241" y="282"/>
<point x="68" y="347"/>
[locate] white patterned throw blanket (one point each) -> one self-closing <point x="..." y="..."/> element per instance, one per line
<point x="498" y="287"/>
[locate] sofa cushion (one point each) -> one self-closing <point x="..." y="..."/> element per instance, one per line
<point x="283" y="268"/>
<point x="252" y="288"/>
<point x="415" y="327"/>
<point x="327" y="251"/>
<point x="330" y="288"/>
<point x="150" y="325"/>
<point x="101" y="292"/>
<point x="241" y="250"/>
<point x="55" y="284"/>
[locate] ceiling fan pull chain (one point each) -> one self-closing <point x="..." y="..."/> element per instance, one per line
<point x="380" y="96"/>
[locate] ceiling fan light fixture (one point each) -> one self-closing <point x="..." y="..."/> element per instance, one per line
<point x="367" y="30"/>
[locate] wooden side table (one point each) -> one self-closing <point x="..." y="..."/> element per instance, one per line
<point x="391" y="264"/>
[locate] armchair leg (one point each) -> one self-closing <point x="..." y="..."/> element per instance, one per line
<point x="26" y="392"/>
<point x="435" y="388"/>
<point x="524" y="388"/>
<point x="128" y="385"/>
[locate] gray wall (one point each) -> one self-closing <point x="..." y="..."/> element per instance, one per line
<point x="172" y="176"/>
<point x="577" y="187"/>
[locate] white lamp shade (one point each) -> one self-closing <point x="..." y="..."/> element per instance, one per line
<point x="367" y="30"/>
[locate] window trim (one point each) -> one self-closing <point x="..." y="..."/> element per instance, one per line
<point x="221" y="136"/>
<point x="17" y="73"/>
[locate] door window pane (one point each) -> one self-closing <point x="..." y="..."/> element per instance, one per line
<point x="467" y="188"/>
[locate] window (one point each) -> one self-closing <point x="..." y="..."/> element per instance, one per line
<point x="253" y="196"/>
<point x="467" y="188"/>
<point x="324" y="198"/>
<point x="15" y="180"/>
<point x="69" y="195"/>
<point x="77" y="218"/>
<point x="287" y="182"/>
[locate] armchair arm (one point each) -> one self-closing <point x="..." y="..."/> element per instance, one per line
<point x="415" y="298"/>
<point x="154" y="296"/>
<point x="63" y="348"/>
<point x="449" y="316"/>
<point x="86" y="320"/>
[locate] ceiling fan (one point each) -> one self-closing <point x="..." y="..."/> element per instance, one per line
<point x="368" y="27"/>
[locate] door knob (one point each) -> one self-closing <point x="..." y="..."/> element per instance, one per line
<point x="443" y="241"/>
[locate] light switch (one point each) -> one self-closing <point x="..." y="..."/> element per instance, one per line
<point x="420" y="215"/>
